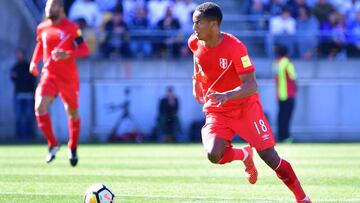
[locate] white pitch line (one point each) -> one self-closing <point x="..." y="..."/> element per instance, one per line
<point x="207" y="199"/>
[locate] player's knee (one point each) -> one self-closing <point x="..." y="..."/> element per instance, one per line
<point x="214" y="157"/>
<point x="73" y="114"/>
<point x="270" y="157"/>
<point x="40" y="109"/>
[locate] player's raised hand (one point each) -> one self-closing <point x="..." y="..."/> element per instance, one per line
<point x="59" y="54"/>
<point x="33" y="69"/>
<point x="218" y="97"/>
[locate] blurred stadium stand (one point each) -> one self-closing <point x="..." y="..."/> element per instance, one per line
<point x="326" y="110"/>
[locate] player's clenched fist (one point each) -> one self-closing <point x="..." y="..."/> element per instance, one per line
<point x="33" y="69"/>
<point x="218" y="97"/>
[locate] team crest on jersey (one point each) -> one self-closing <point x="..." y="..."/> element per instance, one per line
<point x="223" y="62"/>
<point x="62" y="35"/>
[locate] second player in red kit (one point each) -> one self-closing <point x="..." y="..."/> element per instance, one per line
<point x="224" y="82"/>
<point x="59" y="43"/>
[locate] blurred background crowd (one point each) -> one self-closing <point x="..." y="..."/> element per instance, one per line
<point x="133" y="28"/>
<point x="310" y="28"/>
<point x="160" y="28"/>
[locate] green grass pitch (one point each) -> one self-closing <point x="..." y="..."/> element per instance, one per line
<point x="174" y="173"/>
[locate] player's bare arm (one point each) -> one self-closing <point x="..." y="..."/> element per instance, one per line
<point x="197" y="87"/>
<point x="197" y="92"/>
<point x="37" y="55"/>
<point x="248" y="88"/>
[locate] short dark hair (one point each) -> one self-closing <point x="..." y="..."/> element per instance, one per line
<point x="281" y="50"/>
<point x="210" y="11"/>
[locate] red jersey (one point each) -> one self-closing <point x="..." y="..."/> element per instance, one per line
<point x="50" y="36"/>
<point x="212" y="62"/>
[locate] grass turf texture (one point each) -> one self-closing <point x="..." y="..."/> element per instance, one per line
<point x="174" y="173"/>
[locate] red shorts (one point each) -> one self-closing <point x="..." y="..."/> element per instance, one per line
<point x="249" y="122"/>
<point x="67" y="90"/>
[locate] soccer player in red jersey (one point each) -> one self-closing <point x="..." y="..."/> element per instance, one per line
<point x="59" y="42"/>
<point x="224" y="82"/>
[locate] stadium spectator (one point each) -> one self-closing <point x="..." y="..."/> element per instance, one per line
<point x="171" y="44"/>
<point x="307" y="31"/>
<point x="285" y="77"/>
<point x="257" y="8"/>
<point x="157" y="10"/>
<point x="88" y="10"/>
<point x="322" y="10"/>
<point x="116" y="39"/>
<point x="168" y="120"/>
<point x="25" y="84"/>
<point x="140" y="45"/>
<point x="283" y="28"/>
<point x="332" y="36"/>
<point x="183" y="10"/>
<point x="275" y="7"/>
<point x="294" y="6"/>
<point x="130" y="8"/>
<point x="353" y="37"/>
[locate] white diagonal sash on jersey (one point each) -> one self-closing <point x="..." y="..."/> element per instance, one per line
<point x="48" y="60"/>
<point x="217" y="80"/>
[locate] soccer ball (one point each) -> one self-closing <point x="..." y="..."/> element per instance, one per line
<point x="99" y="193"/>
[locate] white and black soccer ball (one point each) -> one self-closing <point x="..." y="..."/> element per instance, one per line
<point x="99" y="193"/>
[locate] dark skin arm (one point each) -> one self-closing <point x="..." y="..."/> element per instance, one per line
<point x="248" y="87"/>
<point x="197" y="92"/>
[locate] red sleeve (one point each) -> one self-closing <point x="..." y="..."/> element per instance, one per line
<point x="38" y="51"/>
<point x="241" y="59"/>
<point x="192" y="43"/>
<point x="82" y="49"/>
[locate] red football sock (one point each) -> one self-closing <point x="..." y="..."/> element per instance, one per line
<point x="74" y="133"/>
<point x="231" y="154"/>
<point x="44" y="123"/>
<point x="285" y="172"/>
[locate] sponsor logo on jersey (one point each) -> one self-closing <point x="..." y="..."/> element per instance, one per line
<point x="265" y="137"/>
<point x="223" y="63"/>
<point x="62" y="35"/>
<point x="245" y="60"/>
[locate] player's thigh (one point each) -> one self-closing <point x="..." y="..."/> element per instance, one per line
<point x="45" y="93"/>
<point x="254" y="127"/>
<point x="47" y="87"/>
<point x="42" y="103"/>
<point x="216" y="134"/>
<point x="69" y="94"/>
